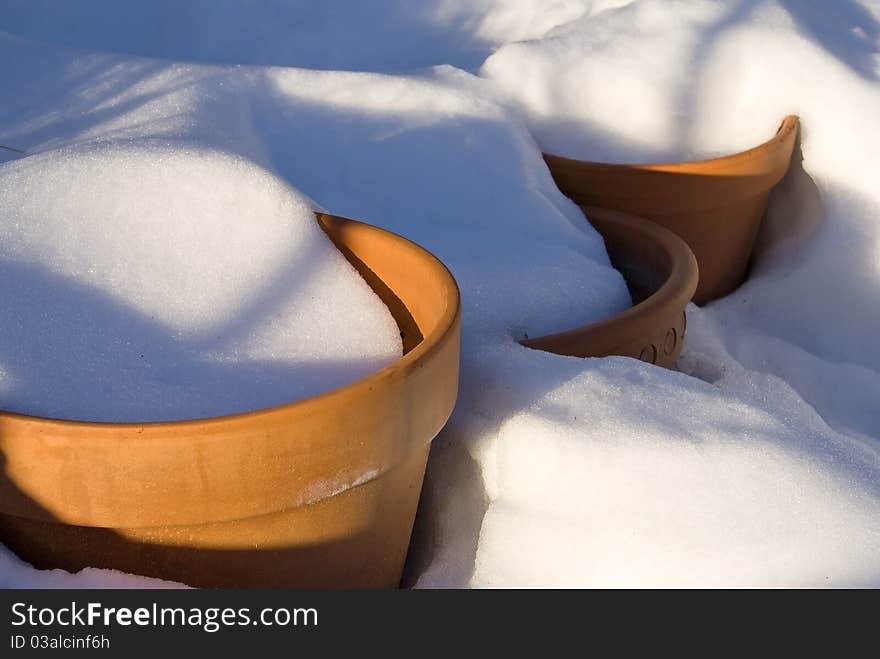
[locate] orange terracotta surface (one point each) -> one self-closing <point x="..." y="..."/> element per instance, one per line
<point x="662" y="275"/>
<point x="715" y="205"/>
<point x="321" y="492"/>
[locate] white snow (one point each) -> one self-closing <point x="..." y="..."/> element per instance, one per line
<point x="759" y="463"/>
<point x="675" y="483"/>
<point x="148" y="283"/>
<point x="671" y="80"/>
<point x="362" y="35"/>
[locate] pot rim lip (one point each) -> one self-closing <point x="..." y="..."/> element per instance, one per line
<point x="789" y="124"/>
<point x="429" y="345"/>
<point x="676" y="291"/>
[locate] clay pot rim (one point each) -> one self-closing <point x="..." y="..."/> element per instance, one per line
<point x="429" y="345"/>
<point x="675" y="291"/>
<point x="242" y="466"/>
<point x="709" y="165"/>
<point x="716" y="205"/>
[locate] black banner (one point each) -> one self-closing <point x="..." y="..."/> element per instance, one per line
<point x="134" y="622"/>
<point x="125" y="622"/>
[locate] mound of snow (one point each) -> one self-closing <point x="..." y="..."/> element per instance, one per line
<point x="143" y="283"/>
<point x="659" y="80"/>
<point x="432" y="156"/>
<point x="726" y="490"/>
<point x="612" y="473"/>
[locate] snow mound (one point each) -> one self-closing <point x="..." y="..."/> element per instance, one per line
<point x="727" y="492"/>
<point x="611" y="473"/>
<point x="659" y="80"/>
<point x="145" y="283"/>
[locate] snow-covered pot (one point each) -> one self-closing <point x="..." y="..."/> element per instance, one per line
<point x="715" y="205"/>
<point x="321" y="492"/>
<point x="661" y="273"/>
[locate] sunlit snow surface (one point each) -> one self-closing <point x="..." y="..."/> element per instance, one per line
<point x="759" y="463"/>
<point x="153" y="283"/>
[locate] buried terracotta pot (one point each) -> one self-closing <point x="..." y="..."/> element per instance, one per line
<point x="321" y="492"/>
<point x="715" y="205"/>
<point x="661" y="273"/>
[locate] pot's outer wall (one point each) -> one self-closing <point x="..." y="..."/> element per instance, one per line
<point x="662" y="274"/>
<point x="321" y="492"/>
<point x="715" y="205"/>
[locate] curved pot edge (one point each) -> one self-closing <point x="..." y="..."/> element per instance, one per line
<point x="426" y="346"/>
<point x="715" y="205"/>
<point x="440" y="344"/>
<point x="657" y="310"/>
<point x="790" y="123"/>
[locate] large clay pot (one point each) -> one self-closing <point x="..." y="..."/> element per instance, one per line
<point x="661" y="273"/>
<point x="321" y="492"/>
<point x="715" y="205"/>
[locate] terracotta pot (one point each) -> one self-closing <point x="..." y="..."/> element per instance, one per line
<point x="321" y="492"/>
<point x="661" y="273"/>
<point x="716" y="205"/>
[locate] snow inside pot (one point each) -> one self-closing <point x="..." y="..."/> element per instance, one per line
<point x="201" y="382"/>
<point x="662" y="275"/>
<point x="715" y="205"/>
<point x="321" y="492"/>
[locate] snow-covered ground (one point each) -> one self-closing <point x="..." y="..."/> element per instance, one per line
<point x="757" y="464"/>
<point x="347" y="35"/>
